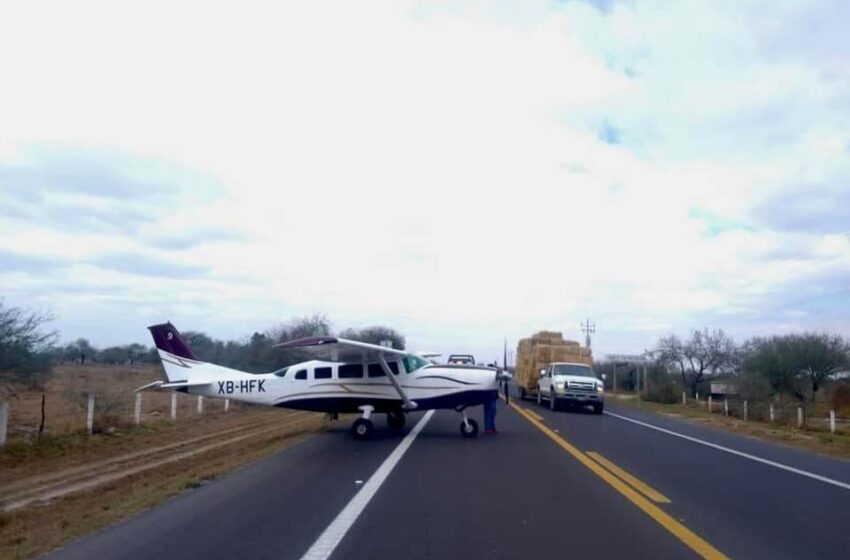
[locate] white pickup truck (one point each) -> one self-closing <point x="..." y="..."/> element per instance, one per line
<point x="572" y="384"/>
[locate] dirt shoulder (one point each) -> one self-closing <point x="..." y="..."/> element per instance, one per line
<point x="104" y="479"/>
<point x="815" y="439"/>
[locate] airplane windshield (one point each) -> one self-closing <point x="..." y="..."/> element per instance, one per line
<point x="574" y="369"/>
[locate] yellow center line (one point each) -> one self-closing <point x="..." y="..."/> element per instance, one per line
<point x="633" y="481"/>
<point x="688" y="537"/>
<point x="534" y="415"/>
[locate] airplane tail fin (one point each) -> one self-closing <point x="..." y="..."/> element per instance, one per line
<point x="177" y="358"/>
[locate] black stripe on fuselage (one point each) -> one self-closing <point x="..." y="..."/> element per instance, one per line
<point x="352" y="403"/>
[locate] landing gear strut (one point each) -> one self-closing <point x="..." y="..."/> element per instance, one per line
<point x="363" y="428"/>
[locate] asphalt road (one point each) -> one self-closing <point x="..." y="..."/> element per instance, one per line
<point x="530" y="491"/>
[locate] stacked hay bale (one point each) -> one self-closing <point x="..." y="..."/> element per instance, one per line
<point x="540" y="350"/>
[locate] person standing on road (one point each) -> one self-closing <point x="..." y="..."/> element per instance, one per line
<point x="490" y="415"/>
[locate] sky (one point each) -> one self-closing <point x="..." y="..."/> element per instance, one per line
<point x="465" y="172"/>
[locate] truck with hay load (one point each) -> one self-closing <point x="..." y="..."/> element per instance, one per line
<point x="538" y="352"/>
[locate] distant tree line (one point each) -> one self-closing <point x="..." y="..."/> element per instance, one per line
<point x="28" y="350"/>
<point x="795" y="365"/>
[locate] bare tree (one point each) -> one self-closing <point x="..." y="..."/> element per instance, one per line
<point x="704" y="353"/>
<point x="24" y="343"/>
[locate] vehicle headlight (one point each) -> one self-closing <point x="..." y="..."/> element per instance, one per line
<point x="559" y="386"/>
<point x="599" y="388"/>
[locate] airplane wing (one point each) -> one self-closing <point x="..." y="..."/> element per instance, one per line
<point x="333" y="349"/>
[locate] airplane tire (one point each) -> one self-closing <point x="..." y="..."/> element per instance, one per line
<point x="553" y="402"/>
<point x="598" y="408"/>
<point x="539" y="397"/>
<point x="469" y="431"/>
<point x="362" y="429"/>
<point x="396" y="420"/>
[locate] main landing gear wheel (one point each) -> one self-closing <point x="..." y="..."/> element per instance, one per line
<point x="469" y="428"/>
<point x="395" y="420"/>
<point x="362" y="429"/>
<point x="598" y="408"/>
<point x="539" y="397"/>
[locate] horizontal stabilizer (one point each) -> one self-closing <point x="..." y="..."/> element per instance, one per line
<point x="159" y="385"/>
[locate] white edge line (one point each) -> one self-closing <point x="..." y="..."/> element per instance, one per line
<point x="784" y="467"/>
<point x="333" y="535"/>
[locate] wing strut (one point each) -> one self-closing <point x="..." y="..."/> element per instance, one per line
<point x="408" y="404"/>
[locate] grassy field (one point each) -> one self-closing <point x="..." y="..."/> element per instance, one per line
<point x="814" y="437"/>
<point x="66" y="483"/>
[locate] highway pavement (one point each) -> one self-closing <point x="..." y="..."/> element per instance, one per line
<point x="549" y="484"/>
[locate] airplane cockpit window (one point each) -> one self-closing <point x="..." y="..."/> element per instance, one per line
<point x="322" y="373"/>
<point x="281" y="372"/>
<point x="375" y="370"/>
<point x="412" y="363"/>
<point x="301" y="374"/>
<point x="350" y="371"/>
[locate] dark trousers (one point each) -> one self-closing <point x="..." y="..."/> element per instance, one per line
<point x="490" y="415"/>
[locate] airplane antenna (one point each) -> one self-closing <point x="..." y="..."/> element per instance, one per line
<point x="588" y="329"/>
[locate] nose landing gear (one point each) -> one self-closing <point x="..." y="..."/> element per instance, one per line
<point x="468" y="426"/>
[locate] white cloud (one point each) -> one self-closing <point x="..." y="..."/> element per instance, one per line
<point x="438" y="167"/>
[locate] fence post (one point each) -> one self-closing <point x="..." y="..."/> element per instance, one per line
<point x="137" y="413"/>
<point x="831" y="421"/>
<point x="90" y="414"/>
<point x="709" y="404"/>
<point x="173" y="406"/>
<point x="745" y="411"/>
<point x="697" y="395"/>
<point x="725" y="406"/>
<point x="4" y="421"/>
<point x="684" y="398"/>
<point x="799" y="416"/>
<point x="226" y="405"/>
<point x="771" y="414"/>
<point x="200" y="404"/>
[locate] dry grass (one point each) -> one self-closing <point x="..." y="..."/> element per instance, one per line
<point x="34" y="531"/>
<point x="814" y="437"/>
<point x="65" y="449"/>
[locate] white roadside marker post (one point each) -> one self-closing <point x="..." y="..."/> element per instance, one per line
<point x="200" y="404"/>
<point x="4" y="421"/>
<point x="725" y="406"/>
<point x="90" y="414"/>
<point x="772" y="417"/>
<point x="684" y="399"/>
<point x="137" y="413"/>
<point x="226" y="405"/>
<point x="173" y="406"/>
<point x="799" y="416"/>
<point x="831" y="421"/>
<point x="614" y="382"/>
<point x="709" y="404"/>
<point x="745" y="411"/>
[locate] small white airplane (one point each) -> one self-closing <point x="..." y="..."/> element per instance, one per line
<point x="345" y="376"/>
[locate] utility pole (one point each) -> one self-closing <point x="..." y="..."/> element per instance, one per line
<point x="588" y="329"/>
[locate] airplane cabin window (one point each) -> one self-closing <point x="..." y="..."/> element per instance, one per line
<point x="301" y="374"/>
<point x="322" y="373"/>
<point x="375" y="370"/>
<point x="393" y="367"/>
<point x="350" y="371"/>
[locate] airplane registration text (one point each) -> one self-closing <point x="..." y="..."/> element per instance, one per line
<point x="244" y="386"/>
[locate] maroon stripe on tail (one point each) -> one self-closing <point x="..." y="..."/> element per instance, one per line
<point x="166" y="337"/>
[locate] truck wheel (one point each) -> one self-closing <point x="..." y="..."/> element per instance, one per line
<point x="469" y="429"/>
<point x="553" y="402"/>
<point x="598" y="408"/>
